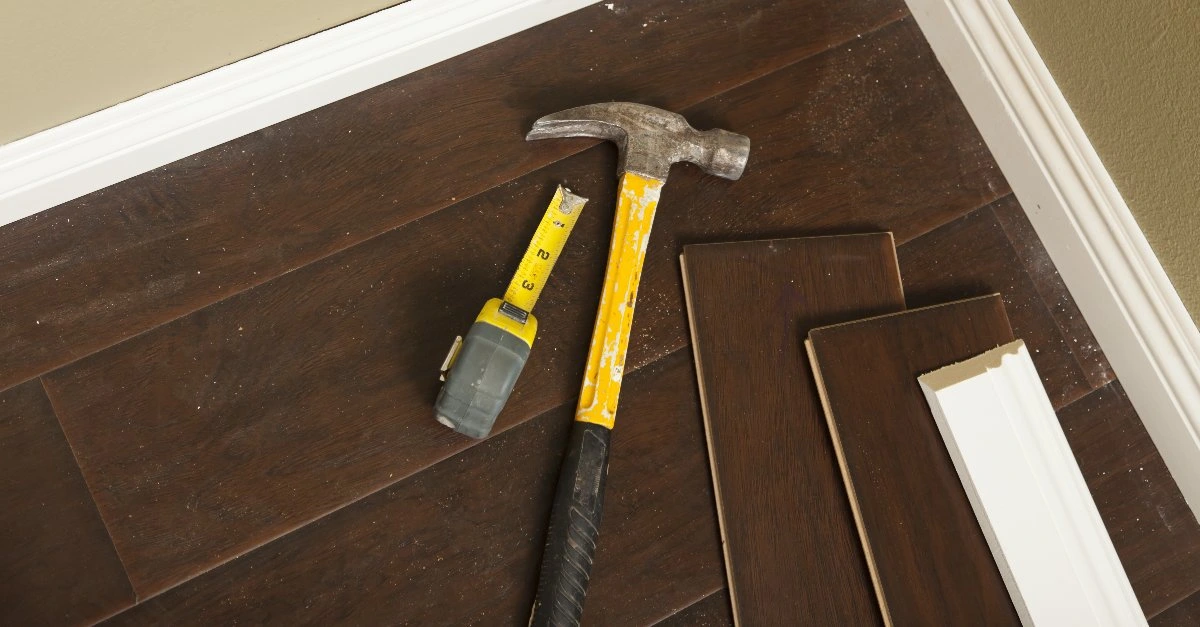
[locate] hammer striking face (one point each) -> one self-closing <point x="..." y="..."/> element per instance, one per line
<point x="649" y="140"/>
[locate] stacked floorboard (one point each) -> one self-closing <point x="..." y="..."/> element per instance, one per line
<point x="828" y="467"/>
<point x="772" y="462"/>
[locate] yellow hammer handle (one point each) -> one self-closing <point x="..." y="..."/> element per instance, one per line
<point x="637" y="200"/>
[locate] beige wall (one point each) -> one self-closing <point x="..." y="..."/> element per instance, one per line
<point x="1130" y="70"/>
<point x="61" y="59"/>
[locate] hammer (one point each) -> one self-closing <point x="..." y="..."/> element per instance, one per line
<point x="649" y="141"/>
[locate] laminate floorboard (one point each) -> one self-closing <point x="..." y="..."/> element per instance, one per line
<point x="57" y="564"/>
<point x="112" y="264"/>
<point x="785" y="519"/>
<point x="1155" y="534"/>
<point x="460" y="543"/>
<point x="930" y="561"/>
<point x="973" y="257"/>
<point x="224" y="429"/>
<point x="711" y="611"/>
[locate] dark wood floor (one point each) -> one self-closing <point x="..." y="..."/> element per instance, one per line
<point x="216" y="378"/>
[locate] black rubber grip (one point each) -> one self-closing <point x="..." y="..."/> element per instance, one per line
<point x="574" y="526"/>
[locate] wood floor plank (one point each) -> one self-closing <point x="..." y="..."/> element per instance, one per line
<point x="57" y="564"/>
<point x="124" y="259"/>
<point x="226" y="428"/>
<point x="1054" y="293"/>
<point x="460" y="543"/>
<point x="712" y="611"/>
<point x="1155" y="533"/>
<point x="785" y="518"/>
<point x="1186" y="613"/>
<point x="972" y="256"/>
<point x="930" y="561"/>
<point x="310" y="391"/>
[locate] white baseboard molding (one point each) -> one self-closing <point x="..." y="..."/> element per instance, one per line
<point x="1103" y="256"/>
<point x="1027" y="491"/>
<point x="92" y="152"/>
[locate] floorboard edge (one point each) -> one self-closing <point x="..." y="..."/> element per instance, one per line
<point x="698" y="600"/>
<point x="91" y="494"/>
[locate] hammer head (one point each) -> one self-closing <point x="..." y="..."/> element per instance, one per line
<point x="649" y="139"/>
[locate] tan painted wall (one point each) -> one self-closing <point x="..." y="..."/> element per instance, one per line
<point x="62" y="59"/>
<point x="1130" y="70"/>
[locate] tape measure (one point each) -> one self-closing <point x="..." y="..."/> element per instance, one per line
<point x="481" y="369"/>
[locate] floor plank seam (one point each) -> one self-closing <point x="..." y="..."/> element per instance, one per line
<point x="1110" y="376"/>
<point x="732" y="86"/>
<point x="1059" y="410"/>
<point x="985" y="206"/>
<point x="1062" y="333"/>
<point x="91" y="491"/>
<point x="700" y="599"/>
<point x="1181" y="599"/>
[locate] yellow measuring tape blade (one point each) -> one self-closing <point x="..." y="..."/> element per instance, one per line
<point x="543" y="251"/>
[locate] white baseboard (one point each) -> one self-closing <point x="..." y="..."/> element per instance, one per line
<point x="92" y="152"/>
<point x="1087" y="228"/>
<point x="1026" y="489"/>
